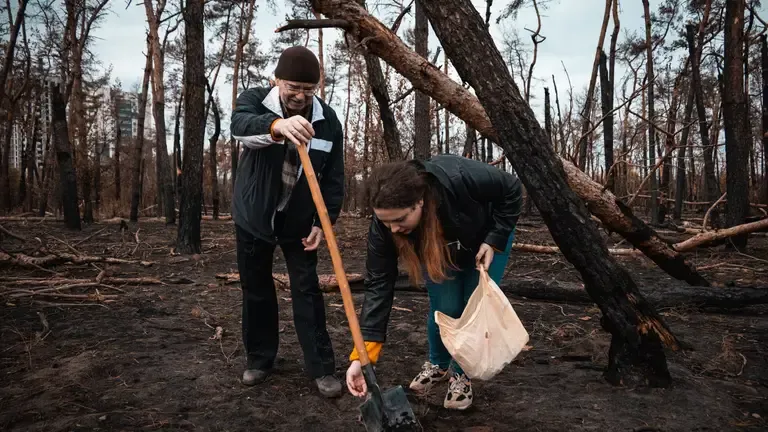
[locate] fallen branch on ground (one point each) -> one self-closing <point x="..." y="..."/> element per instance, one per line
<point x="10" y="234"/>
<point x="328" y="282"/>
<point x="27" y="261"/>
<point x="19" y="282"/>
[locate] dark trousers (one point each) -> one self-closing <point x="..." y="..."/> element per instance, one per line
<point x="260" y="314"/>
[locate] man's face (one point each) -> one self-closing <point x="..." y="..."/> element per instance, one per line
<point x="296" y="96"/>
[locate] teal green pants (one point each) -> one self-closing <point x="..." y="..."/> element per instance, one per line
<point x="451" y="296"/>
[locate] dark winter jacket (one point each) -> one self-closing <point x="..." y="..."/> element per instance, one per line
<point x="259" y="171"/>
<point x="478" y="204"/>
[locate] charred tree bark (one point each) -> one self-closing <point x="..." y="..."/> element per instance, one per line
<point x="67" y="173"/>
<point x="188" y="239"/>
<point x="177" y="146"/>
<point x="586" y="113"/>
<point x="667" y="295"/>
<point x="651" y="115"/>
<point x="737" y="140"/>
<point x="469" y="142"/>
<point x="421" y="118"/>
<point x="548" y="118"/>
<point x="138" y="146"/>
<point x="669" y="145"/>
<point x="764" y="71"/>
<point x="680" y="188"/>
<point x="426" y="77"/>
<point x="638" y="332"/>
<point x="212" y="152"/>
<point x="381" y="94"/>
<point x="118" y="181"/>
<point x="606" y="98"/>
<point x="710" y="183"/>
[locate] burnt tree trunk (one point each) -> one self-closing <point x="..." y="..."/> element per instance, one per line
<point x="469" y="142"/>
<point x="669" y="145"/>
<point x="188" y="239"/>
<point x="638" y="332"/>
<point x="680" y="187"/>
<point x="586" y="124"/>
<point x="651" y="116"/>
<point x="67" y="173"/>
<point x="177" y="146"/>
<point x="548" y="117"/>
<point x="602" y="203"/>
<point x="737" y="139"/>
<point x="5" y="178"/>
<point x="764" y="70"/>
<point x="212" y="152"/>
<point x="138" y="146"/>
<point x="421" y="118"/>
<point x="606" y="99"/>
<point x="118" y="180"/>
<point x="380" y="92"/>
<point x="710" y="183"/>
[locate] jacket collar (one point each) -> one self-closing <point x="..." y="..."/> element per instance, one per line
<point x="272" y="103"/>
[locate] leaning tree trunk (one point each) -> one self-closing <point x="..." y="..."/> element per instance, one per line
<point x="764" y="70"/>
<point x="67" y="173"/>
<point x="188" y="239"/>
<point x="138" y="147"/>
<point x="426" y="77"/>
<point x="737" y="139"/>
<point x="680" y="188"/>
<point x="710" y="183"/>
<point x="422" y="137"/>
<point x="381" y="94"/>
<point x="639" y="333"/>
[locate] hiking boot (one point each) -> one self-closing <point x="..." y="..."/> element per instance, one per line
<point x="329" y="386"/>
<point x="459" y="396"/>
<point x="430" y="375"/>
<point x="254" y="376"/>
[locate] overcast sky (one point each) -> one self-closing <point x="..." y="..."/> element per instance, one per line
<point x="571" y="28"/>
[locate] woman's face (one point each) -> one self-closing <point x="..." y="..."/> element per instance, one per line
<point x="401" y="220"/>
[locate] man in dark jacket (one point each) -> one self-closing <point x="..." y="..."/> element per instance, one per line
<point x="272" y="205"/>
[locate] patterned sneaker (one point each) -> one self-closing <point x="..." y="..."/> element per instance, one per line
<point x="429" y="375"/>
<point x="459" y="396"/>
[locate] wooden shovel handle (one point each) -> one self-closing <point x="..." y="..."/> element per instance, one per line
<point x="338" y="267"/>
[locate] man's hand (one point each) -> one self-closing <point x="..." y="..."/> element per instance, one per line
<point x="296" y="129"/>
<point x="484" y="256"/>
<point x="312" y="241"/>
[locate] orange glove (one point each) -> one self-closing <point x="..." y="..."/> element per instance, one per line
<point x="373" y="349"/>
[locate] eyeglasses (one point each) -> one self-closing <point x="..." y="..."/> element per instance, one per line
<point x="309" y="92"/>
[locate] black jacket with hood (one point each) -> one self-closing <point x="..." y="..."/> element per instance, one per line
<point x="259" y="171"/>
<point x="478" y="204"/>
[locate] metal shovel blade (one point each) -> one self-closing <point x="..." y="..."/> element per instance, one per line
<point x="387" y="411"/>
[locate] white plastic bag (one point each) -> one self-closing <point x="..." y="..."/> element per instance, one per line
<point x="487" y="336"/>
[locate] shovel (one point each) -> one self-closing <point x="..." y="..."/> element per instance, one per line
<point x="388" y="410"/>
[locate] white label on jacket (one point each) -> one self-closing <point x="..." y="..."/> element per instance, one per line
<point x="322" y="145"/>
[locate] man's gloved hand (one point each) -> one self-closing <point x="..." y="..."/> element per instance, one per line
<point x="297" y="129"/>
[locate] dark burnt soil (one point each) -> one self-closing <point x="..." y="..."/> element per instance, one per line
<point x="148" y="359"/>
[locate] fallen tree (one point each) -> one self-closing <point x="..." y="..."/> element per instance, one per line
<point x="663" y="295"/>
<point x="638" y="332"/>
<point x="700" y="239"/>
<point x="425" y="77"/>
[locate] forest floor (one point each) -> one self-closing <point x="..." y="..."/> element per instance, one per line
<point x="146" y="356"/>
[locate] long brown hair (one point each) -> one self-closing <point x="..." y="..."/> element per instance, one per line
<point x="398" y="185"/>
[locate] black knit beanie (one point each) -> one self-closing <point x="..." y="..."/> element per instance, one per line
<point x="298" y="64"/>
